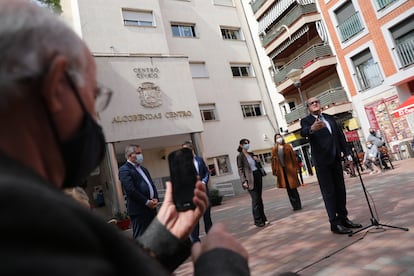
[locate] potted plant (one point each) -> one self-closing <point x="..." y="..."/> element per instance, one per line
<point x="215" y="197"/>
<point x="122" y="220"/>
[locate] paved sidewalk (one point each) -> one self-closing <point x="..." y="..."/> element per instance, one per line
<point x="302" y="242"/>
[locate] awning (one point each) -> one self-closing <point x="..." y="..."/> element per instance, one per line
<point x="405" y="108"/>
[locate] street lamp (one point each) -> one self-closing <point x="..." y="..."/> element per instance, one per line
<point x="294" y="76"/>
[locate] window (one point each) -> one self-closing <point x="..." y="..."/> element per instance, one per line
<point x="224" y="2"/>
<point x="183" y="30"/>
<point x="241" y="70"/>
<point x="137" y="18"/>
<point x="198" y="70"/>
<point x="349" y="23"/>
<point x="208" y="112"/>
<point x="403" y="35"/>
<point x="219" y="165"/>
<point x="231" y="33"/>
<point x="252" y="109"/>
<point x="367" y="71"/>
<point x="265" y="157"/>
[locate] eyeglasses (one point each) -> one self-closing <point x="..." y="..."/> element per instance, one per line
<point x="103" y="98"/>
<point x="103" y="95"/>
<point x="314" y="102"/>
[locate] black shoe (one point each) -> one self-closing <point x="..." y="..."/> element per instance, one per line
<point x="261" y="224"/>
<point x="340" y="229"/>
<point x="297" y="208"/>
<point x="349" y="224"/>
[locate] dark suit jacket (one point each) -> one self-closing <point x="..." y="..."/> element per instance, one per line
<point x="136" y="190"/>
<point x="202" y="169"/>
<point x="326" y="147"/>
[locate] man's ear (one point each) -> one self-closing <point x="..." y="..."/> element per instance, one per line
<point x="55" y="83"/>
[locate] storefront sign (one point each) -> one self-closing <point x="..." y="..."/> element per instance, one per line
<point x="352" y="136"/>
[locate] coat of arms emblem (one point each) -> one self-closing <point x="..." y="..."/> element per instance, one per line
<point x="150" y="95"/>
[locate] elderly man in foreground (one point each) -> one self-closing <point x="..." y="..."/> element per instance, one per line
<point x="51" y="140"/>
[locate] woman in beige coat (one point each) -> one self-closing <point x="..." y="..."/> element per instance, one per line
<point x="285" y="167"/>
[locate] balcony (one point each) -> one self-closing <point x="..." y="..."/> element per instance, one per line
<point x="303" y="60"/>
<point x="296" y="13"/>
<point x="405" y="52"/>
<point x="328" y="98"/>
<point x="381" y="4"/>
<point x="368" y="76"/>
<point x="256" y="4"/>
<point x="350" y="27"/>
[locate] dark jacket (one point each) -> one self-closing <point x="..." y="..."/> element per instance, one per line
<point x="45" y="232"/>
<point x="326" y="147"/>
<point x="136" y="190"/>
<point x="202" y="169"/>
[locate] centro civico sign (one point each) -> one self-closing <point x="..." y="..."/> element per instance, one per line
<point x="150" y="96"/>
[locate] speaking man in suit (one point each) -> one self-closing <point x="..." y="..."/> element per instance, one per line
<point x="327" y="142"/>
<point x="142" y="196"/>
<point x="204" y="174"/>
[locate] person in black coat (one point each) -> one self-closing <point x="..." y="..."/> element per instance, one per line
<point x="204" y="174"/>
<point x="141" y="193"/>
<point x="327" y="143"/>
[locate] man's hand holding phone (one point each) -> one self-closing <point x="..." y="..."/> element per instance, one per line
<point x="180" y="224"/>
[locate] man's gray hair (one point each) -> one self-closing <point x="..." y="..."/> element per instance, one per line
<point x="30" y="36"/>
<point x="129" y="150"/>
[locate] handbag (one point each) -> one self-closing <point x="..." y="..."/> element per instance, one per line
<point x="260" y="168"/>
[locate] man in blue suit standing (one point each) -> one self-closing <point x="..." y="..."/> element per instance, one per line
<point x="328" y="142"/>
<point x="204" y="174"/>
<point x="141" y="194"/>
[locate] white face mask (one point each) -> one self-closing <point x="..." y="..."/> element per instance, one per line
<point x="279" y="140"/>
<point x="369" y="146"/>
<point x="140" y="158"/>
<point x="246" y="146"/>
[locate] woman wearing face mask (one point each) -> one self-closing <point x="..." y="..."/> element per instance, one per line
<point x="251" y="178"/>
<point x="285" y="168"/>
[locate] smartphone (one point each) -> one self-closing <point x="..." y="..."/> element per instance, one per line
<point x="183" y="178"/>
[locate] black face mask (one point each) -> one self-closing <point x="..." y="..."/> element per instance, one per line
<point x="83" y="153"/>
<point x="85" y="150"/>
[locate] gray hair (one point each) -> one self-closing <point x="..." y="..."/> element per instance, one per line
<point x="129" y="150"/>
<point x="30" y="36"/>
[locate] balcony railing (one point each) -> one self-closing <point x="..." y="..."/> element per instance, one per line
<point x="327" y="98"/>
<point x="368" y="76"/>
<point x="304" y="59"/>
<point x="350" y="27"/>
<point x="405" y="52"/>
<point x="287" y="20"/>
<point x="381" y="4"/>
<point x="256" y="4"/>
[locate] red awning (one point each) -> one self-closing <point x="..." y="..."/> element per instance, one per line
<point x="405" y="108"/>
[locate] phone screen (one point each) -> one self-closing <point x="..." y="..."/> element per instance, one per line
<point x="183" y="178"/>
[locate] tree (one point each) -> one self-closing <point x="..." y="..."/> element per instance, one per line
<point x="54" y="5"/>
